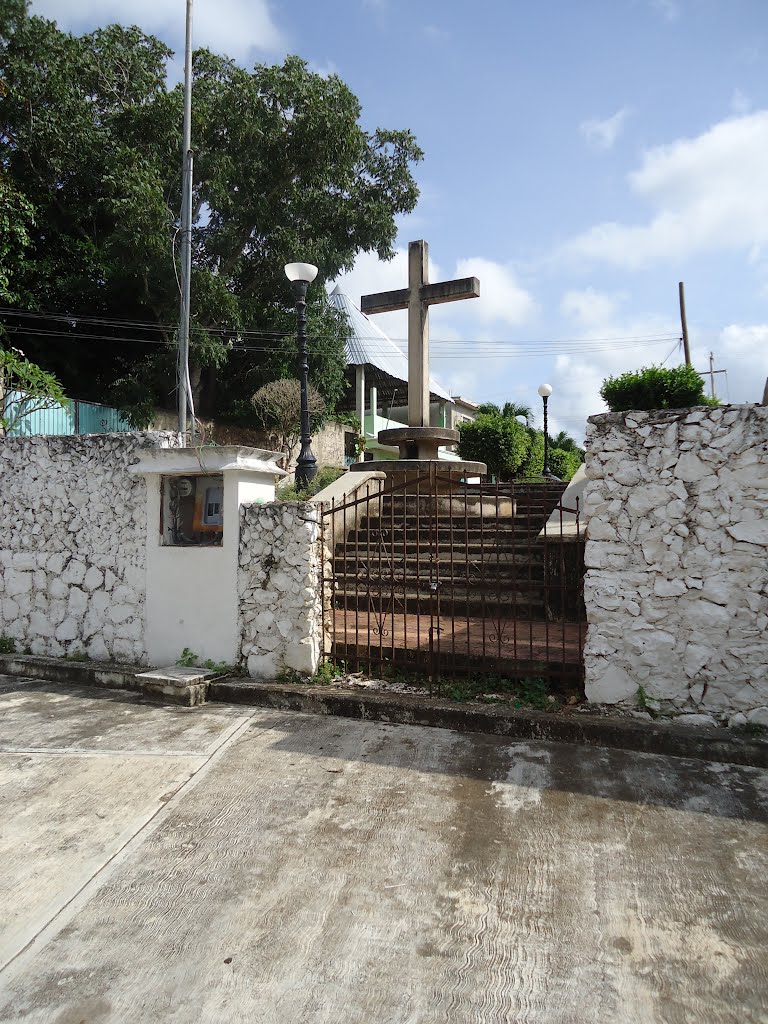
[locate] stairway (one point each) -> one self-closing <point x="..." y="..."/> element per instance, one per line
<point x="458" y="556"/>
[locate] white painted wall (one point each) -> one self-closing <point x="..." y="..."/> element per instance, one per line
<point x="192" y="597"/>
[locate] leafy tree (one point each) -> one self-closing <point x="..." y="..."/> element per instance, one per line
<point x="533" y="464"/>
<point x="25" y="389"/>
<point x="90" y="140"/>
<point x="278" y="405"/>
<point x="654" y="387"/>
<point x="564" y="463"/>
<point x="499" y="441"/>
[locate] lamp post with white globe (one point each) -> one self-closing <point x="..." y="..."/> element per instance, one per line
<point x="301" y="275"/>
<point x="545" y="390"/>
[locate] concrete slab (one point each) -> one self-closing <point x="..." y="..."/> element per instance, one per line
<point x="320" y="870"/>
<point x="36" y="715"/>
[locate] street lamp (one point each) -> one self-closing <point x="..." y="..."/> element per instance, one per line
<point x="301" y="275"/>
<point x="545" y="390"/>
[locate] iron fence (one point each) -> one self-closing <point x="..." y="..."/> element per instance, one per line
<point x="433" y="574"/>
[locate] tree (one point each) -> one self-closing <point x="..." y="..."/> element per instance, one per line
<point x="500" y="442"/>
<point x="564" y="462"/>
<point x="24" y="390"/>
<point x="278" y="406"/>
<point x="90" y="138"/>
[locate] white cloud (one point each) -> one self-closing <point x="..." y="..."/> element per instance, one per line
<point x="604" y="133"/>
<point x="233" y="27"/>
<point x="741" y="350"/>
<point x="588" y="308"/>
<point x="708" y="193"/>
<point x="502" y="298"/>
<point x="668" y="9"/>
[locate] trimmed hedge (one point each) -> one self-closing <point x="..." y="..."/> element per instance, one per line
<point x="655" y="387"/>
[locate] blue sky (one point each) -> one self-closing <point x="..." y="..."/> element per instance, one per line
<point x="581" y="159"/>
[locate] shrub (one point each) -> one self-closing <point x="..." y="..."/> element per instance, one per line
<point x="654" y="387"/>
<point x="499" y="441"/>
<point x="564" y="463"/>
<point x="324" y="476"/>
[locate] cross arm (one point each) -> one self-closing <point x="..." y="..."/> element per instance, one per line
<point x="451" y="291"/>
<point x="384" y="302"/>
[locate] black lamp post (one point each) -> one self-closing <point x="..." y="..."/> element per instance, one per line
<point x="545" y="390"/>
<point x="301" y="275"/>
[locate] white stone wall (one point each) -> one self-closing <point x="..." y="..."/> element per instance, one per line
<point x="73" y="543"/>
<point x="279" y="588"/>
<point x="676" y="589"/>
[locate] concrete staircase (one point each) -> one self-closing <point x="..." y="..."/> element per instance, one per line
<point x="478" y="556"/>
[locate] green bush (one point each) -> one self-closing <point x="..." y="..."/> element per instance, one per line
<point x="499" y="441"/>
<point x="533" y="464"/>
<point x="564" y="463"/>
<point x="325" y="476"/>
<point x="654" y="387"/>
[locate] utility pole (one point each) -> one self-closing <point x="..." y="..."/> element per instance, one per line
<point x="684" y="322"/>
<point x="185" y="231"/>
<point x="711" y="373"/>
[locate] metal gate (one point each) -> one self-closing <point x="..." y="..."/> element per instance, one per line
<point x="432" y="574"/>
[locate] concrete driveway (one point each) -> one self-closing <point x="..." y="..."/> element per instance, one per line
<point x="215" y="865"/>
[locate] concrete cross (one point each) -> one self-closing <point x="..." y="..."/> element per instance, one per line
<point x="417" y="298"/>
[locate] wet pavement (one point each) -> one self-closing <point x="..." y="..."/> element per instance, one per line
<point x="221" y="864"/>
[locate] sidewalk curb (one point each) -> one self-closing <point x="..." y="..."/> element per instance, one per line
<point x="402" y="709"/>
<point x="156" y="685"/>
<point x="644" y="737"/>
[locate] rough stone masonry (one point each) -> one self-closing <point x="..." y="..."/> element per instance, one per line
<point x="279" y="585"/>
<point x="73" y="544"/>
<point x="676" y="588"/>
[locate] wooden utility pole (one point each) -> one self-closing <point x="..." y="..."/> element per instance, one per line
<point x="684" y="324"/>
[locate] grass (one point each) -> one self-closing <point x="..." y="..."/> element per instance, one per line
<point x="188" y="659"/>
<point x="7" y="645"/>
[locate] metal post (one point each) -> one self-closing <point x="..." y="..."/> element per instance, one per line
<point x="185" y="230"/>
<point x="546" y="471"/>
<point x="306" y="467"/>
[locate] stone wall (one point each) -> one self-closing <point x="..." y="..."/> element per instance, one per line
<point x="676" y="589"/>
<point x="279" y="588"/>
<point x="73" y="544"/>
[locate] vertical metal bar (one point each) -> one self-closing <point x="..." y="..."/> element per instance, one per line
<point x="437" y="577"/>
<point x="391" y="576"/>
<point x="368" y="565"/>
<point x="452" y="488"/>
<point x="514" y="575"/>
<point x="346" y="591"/>
<point x="382" y="612"/>
<point x="467" y="573"/>
<point x="406" y="571"/>
<point x="77" y="416"/>
<point x="482" y="576"/>
<point x="546" y="579"/>
<point x="499" y="596"/>
<point x="418" y="571"/>
<point x="580" y="621"/>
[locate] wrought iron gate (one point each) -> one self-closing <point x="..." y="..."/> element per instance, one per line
<point x="435" y="574"/>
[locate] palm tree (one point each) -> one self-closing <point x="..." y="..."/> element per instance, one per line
<point x="514" y="409"/>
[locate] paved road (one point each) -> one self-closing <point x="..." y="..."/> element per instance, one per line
<point x="210" y="865"/>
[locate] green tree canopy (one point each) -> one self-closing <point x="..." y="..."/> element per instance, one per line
<point x="90" y="143"/>
<point x="513" y="451"/>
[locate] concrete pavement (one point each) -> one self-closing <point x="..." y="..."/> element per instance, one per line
<point x="217" y="864"/>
